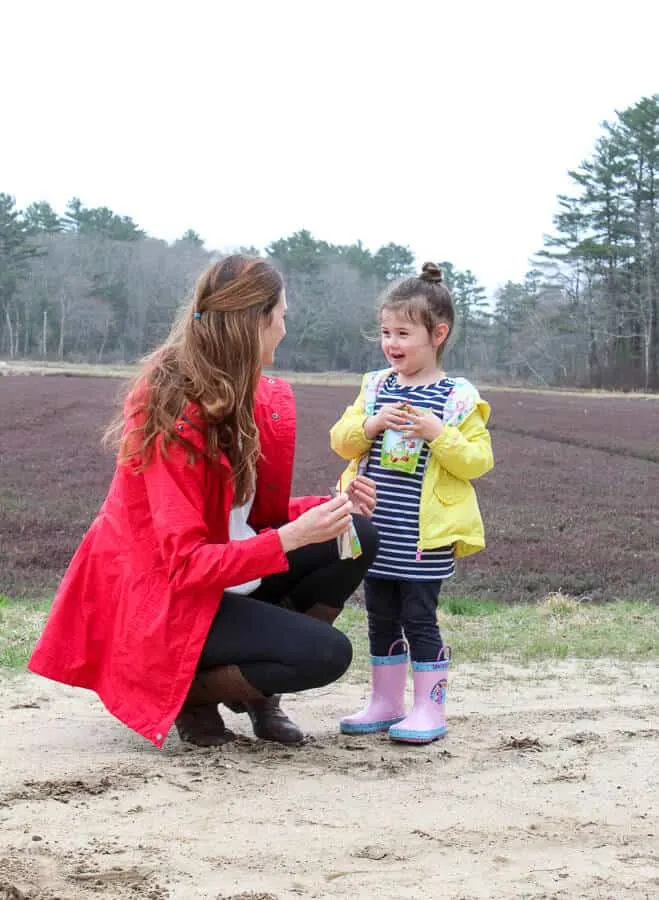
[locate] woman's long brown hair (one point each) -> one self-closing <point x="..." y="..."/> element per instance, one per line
<point x="212" y="357"/>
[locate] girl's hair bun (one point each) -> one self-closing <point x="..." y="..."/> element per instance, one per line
<point x="431" y="273"/>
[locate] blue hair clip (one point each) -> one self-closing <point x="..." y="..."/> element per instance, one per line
<point x="196" y="315"/>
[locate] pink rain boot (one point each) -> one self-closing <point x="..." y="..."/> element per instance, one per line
<point x="427" y="720"/>
<point x="387" y="704"/>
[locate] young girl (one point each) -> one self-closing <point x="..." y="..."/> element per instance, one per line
<point x="422" y="437"/>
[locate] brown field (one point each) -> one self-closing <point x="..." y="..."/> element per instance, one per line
<point x="571" y="505"/>
<point x="542" y="788"/>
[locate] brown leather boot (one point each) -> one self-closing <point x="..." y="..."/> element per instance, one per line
<point x="199" y="721"/>
<point x="203" y="726"/>
<point x="323" y="612"/>
<point x="270" y="722"/>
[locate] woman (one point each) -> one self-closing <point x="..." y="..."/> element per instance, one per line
<point x="201" y="581"/>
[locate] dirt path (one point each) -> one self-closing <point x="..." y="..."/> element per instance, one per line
<point x="562" y="810"/>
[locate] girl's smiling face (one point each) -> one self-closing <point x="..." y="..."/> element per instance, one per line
<point x="410" y="349"/>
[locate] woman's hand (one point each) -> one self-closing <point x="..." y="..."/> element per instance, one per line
<point x="318" y="524"/>
<point x="362" y="493"/>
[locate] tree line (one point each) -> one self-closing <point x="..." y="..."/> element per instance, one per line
<point x="91" y="285"/>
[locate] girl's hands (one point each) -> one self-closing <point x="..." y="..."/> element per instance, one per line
<point x="422" y="424"/>
<point x="318" y="524"/>
<point x="390" y="416"/>
<point x="413" y="423"/>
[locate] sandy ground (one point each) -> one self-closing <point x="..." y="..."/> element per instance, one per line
<point x="545" y="787"/>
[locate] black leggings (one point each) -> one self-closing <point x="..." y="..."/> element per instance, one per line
<point x="281" y="650"/>
<point x="395" y="607"/>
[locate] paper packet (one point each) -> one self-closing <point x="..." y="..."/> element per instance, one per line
<point x="348" y="543"/>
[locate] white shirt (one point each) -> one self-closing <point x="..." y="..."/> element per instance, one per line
<point x="239" y="530"/>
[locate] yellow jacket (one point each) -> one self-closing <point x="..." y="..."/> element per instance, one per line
<point x="449" y="513"/>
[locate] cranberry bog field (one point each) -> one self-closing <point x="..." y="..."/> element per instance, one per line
<point x="542" y="789"/>
<point x="571" y="506"/>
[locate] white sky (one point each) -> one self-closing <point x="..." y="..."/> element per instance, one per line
<point x="447" y="129"/>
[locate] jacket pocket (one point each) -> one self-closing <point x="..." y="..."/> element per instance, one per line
<point x="450" y="490"/>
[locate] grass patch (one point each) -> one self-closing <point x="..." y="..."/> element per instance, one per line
<point x="467" y="606"/>
<point x="127" y="370"/>
<point x="559" y="627"/>
<point x="20" y="626"/>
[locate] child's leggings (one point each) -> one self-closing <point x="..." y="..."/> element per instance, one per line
<point x="407" y="609"/>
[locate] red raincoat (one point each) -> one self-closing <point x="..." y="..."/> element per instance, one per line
<point x="134" y="608"/>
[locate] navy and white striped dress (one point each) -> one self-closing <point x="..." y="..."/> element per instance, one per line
<point x="396" y="515"/>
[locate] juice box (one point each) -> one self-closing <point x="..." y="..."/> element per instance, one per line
<point x="399" y="453"/>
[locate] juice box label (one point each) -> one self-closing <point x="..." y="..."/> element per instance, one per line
<point x="399" y="453"/>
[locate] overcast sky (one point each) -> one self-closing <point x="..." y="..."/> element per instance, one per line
<point x="446" y="127"/>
